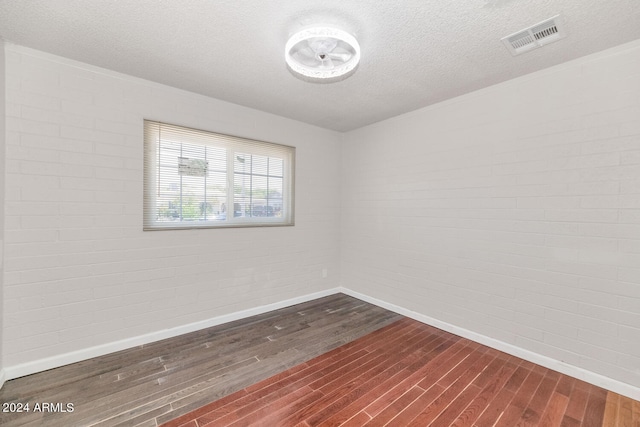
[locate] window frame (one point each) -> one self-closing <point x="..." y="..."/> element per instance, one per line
<point x="233" y="146"/>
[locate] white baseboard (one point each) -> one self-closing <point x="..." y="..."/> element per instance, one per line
<point x="16" y="371"/>
<point x="565" y="368"/>
<point x="20" y="370"/>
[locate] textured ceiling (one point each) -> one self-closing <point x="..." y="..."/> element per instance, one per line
<point x="414" y="52"/>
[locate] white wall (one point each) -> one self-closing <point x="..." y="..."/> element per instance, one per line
<point x="512" y="212"/>
<point x="80" y="272"/>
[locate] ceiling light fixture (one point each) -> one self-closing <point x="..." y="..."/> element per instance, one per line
<point x="322" y="54"/>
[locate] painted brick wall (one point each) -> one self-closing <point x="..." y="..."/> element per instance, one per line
<point x="80" y="272"/>
<point x="513" y="212"/>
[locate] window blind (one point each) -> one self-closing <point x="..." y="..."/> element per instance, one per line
<point x="195" y="178"/>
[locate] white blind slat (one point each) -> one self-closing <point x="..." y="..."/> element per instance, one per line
<point x="195" y="178"/>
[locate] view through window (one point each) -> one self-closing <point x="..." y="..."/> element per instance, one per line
<point x="196" y="178"/>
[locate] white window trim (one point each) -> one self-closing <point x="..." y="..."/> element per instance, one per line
<point x="232" y="144"/>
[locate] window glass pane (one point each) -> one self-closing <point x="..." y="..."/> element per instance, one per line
<point x="241" y="206"/>
<point x="276" y="167"/>
<point x="242" y="163"/>
<point x="217" y="158"/>
<point x="188" y="188"/>
<point x="275" y="188"/>
<point x="259" y="196"/>
<point x="192" y="198"/>
<point x="168" y="188"/>
<point x="260" y="165"/>
<point x="241" y="185"/>
<point x="196" y="178"/>
<point x="217" y="195"/>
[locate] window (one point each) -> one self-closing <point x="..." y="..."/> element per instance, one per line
<point x="195" y="179"/>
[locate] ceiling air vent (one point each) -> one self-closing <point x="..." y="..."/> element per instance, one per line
<point x="536" y="36"/>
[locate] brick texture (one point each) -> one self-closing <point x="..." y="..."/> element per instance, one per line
<point x="80" y="271"/>
<point x="513" y="212"/>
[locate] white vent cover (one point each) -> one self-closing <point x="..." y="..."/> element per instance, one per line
<point x="536" y="36"/>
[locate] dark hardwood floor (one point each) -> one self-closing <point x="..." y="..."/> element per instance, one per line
<point x="154" y="383"/>
<point x="410" y="374"/>
<point x="329" y="362"/>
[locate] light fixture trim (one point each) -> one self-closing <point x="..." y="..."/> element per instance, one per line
<point x="322" y="32"/>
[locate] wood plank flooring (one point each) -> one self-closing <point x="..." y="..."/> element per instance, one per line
<point x="410" y="374"/>
<point x="151" y="384"/>
<point x="620" y="411"/>
<point x="328" y="362"/>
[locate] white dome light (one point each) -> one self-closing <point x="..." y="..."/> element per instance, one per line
<point x="322" y="54"/>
